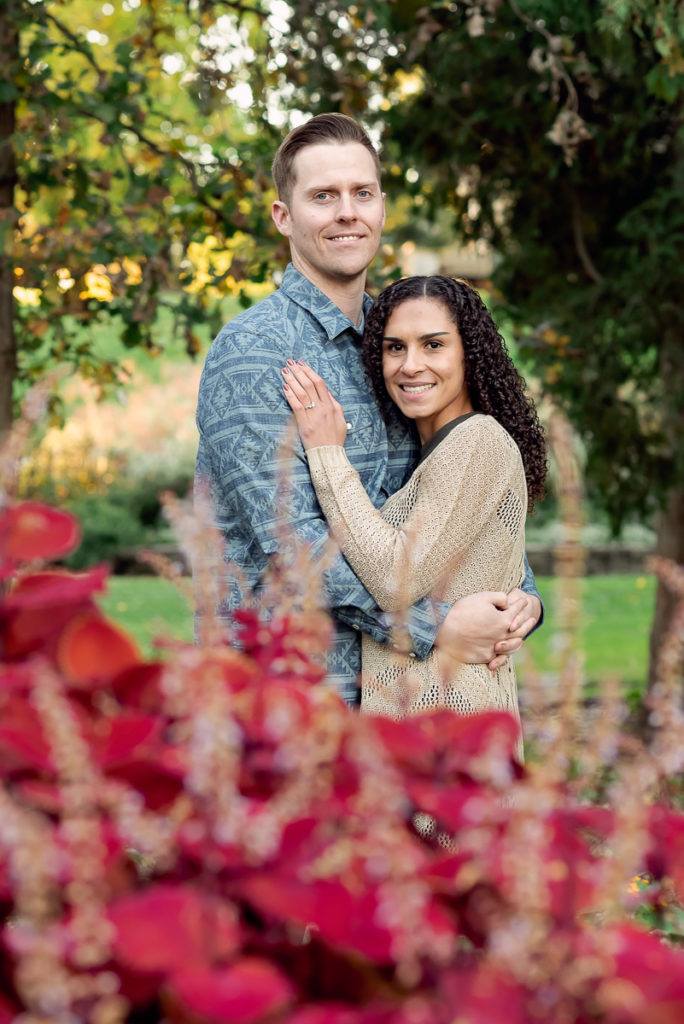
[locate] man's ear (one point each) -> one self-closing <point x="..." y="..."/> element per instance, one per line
<point x="281" y="217"/>
<point x="384" y="209"/>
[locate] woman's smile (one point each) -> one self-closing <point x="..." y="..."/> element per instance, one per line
<point x="415" y="389"/>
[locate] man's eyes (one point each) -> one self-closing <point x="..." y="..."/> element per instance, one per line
<point x="363" y="193"/>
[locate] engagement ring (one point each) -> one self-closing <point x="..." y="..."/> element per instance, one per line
<point x="311" y="405"/>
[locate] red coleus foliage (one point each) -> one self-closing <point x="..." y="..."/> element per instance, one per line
<point x="31" y="532"/>
<point x="217" y="838"/>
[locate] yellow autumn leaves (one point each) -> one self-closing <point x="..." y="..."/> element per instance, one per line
<point x="208" y="267"/>
<point x="97" y="282"/>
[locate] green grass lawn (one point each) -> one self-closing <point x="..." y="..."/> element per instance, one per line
<point x="616" y="618"/>
<point x="615" y="623"/>
<point x="149" y="609"/>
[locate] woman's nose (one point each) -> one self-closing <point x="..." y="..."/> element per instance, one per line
<point x="412" y="362"/>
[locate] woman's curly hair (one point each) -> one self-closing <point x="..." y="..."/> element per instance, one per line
<point x="494" y="385"/>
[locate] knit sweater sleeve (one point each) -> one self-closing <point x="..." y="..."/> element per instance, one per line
<point x="457" y="489"/>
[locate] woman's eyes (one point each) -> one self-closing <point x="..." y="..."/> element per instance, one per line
<point x="396" y="346"/>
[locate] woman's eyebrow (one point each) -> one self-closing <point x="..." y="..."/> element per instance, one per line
<point x="422" y="337"/>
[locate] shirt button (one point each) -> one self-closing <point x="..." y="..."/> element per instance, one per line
<point x="349" y="426"/>
<point x="412" y="654"/>
<point x="355" y="626"/>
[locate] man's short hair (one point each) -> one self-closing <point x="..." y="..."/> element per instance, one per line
<point x="323" y="128"/>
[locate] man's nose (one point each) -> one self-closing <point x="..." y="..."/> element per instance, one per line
<point x="345" y="207"/>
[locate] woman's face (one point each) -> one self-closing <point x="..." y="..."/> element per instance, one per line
<point x="423" y="364"/>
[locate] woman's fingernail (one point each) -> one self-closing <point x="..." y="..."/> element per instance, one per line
<point x="285" y="369"/>
<point x="300" y="362"/>
<point x="285" y="387"/>
<point x="290" y="362"/>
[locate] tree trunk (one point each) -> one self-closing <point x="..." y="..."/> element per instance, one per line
<point x="670" y="545"/>
<point x="9" y="51"/>
<point x="671" y="519"/>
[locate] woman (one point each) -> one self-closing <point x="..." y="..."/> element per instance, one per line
<point x="457" y="526"/>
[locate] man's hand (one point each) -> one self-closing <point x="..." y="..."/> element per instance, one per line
<point x="527" y="611"/>
<point x="485" y="628"/>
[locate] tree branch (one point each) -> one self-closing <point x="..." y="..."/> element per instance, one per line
<point x="243" y="8"/>
<point x="156" y="148"/>
<point x="78" y="44"/>
<point x="572" y="102"/>
<point x="580" y="246"/>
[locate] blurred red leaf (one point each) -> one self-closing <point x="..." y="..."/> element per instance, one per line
<point x="648" y="984"/>
<point x="339" y="1013"/>
<point x="243" y="993"/>
<point x="487" y="996"/>
<point x="170" y="927"/>
<point x="32" y="531"/>
<point x="16" y="678"/>
<point x="54" y="588"/>
<point x="23" y="745"/>
<point x="37" y="630"/>
<point x="442" y="744"/>
<point x="116" y="740"/>
<point x="92" y="649"/>
<point x="5" y="884"/>
<point x="277" y="710"/>
<point x="8" y="1012"/>
<point x="346" y="919"/>
<point x="456" y="805"/>
<point x="574" y="874"/>
<point x="41" y="795"/>
<point x="139" y="686"/>
<point x="39" y="606"/>
<point x="666" y="853"/>
<point x="158" y="784"/>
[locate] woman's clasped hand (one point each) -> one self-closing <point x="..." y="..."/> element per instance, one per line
<point x="320" y="417"/>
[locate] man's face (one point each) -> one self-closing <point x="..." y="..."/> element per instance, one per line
<point x="335" y="214"/>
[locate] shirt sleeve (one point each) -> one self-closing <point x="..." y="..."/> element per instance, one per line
<point x="242" y="418"/>
<point x="455" y="497"/>
<point x="529" y="586"/>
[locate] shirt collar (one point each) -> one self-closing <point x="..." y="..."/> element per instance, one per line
<point x="331" y="318"/>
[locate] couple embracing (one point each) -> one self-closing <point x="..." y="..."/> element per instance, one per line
<point x="420" y="447"/>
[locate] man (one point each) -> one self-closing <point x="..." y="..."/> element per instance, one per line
<point x="331" y="208"/>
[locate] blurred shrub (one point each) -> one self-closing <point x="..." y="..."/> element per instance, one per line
<point x="109" y="523"/>
<point x="110" y="461"/>
<point x="126" y="516"/>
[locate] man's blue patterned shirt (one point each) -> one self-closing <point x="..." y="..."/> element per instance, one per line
<point x="242" y="416"/>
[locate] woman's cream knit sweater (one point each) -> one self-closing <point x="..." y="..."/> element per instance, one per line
<point x="457" y="527"/>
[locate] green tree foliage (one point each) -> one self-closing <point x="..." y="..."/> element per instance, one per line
<point x="126" y="165"/>
<point x="552" y="128"/>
